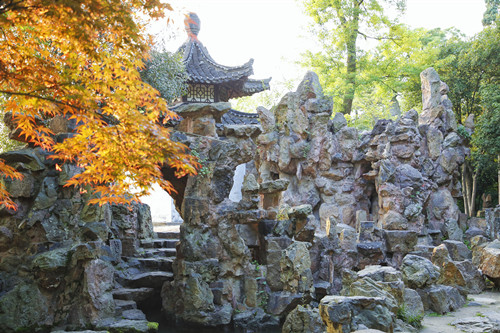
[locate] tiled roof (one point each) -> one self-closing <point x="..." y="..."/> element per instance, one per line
<point x="233" y="117"/>
<point x="201" y="68"/>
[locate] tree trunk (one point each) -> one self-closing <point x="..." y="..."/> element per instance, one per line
<point x="465" y="190"/>
<point x="350" y="75"/>
<point x="472" y="204"/>
<point x="351" y="31"/>
<point x="469" y="189"/>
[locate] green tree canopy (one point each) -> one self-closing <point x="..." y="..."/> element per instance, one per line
<point x="338" y="25"/>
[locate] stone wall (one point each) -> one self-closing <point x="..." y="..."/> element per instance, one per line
<point x="57" y="252"/>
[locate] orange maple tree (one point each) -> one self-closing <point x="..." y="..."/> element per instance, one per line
<point x="79" y="59"/>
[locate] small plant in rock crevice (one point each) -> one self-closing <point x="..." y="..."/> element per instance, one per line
<point x="413" y="320"/>
<point x="204" y="170"/>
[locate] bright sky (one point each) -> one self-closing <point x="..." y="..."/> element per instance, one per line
<point x="272" y="31"/>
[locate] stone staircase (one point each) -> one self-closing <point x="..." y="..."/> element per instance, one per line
<point x="140" y="281"/>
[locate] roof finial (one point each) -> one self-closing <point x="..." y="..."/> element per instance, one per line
<point x="192" y="24"/>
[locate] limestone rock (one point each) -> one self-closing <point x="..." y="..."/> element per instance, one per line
<point x="296" y="272"/>
<point x="412" y="304"/>
<point x="366" y="286"/>
<point x="441" y="299"/>
<point x="127" y="326"/>
<point x="400" y="240"/>
<point x="282" y="302"/>
<point x="490" y="262"/>
<point x="458" y="250"/>
<point x="440" y="255"/>
<point x="338" y="122"/>
<point x="381" y="273"/>
<point x="256" y="320"/>
<point x="347" y="314"/>
<point x="477" y="324"/>
<point x="24" y="308"/>
<point x="418" y="272"/>
<point x="304" y="319"/>
<point x="98" y="282"/>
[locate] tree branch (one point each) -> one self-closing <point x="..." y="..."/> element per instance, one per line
<point x="379" y="38"/>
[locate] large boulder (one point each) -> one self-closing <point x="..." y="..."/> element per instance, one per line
<point x="441" y="299"/>
<point x="24" y="309"/>
<point x="370" y="288"/>
<point x="347" y="314"/>
<point x="412" y="307"/>
<point x="296" y="272"/>
<point x="418" y="272"/>
<point x="304" y="319"/>
<point x="489" y="261"/>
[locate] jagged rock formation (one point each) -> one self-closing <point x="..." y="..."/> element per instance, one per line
<point x="57" y="253"/>
<point x="324" y="211"/>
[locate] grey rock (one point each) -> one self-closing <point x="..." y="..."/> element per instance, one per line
<point x="150" y="279"/>
<point x="453" y="231"/>
<point x="394" y="221"/>
<point x="256" y="320"/>
<point x="418" y="272"/>
<point x="126" y="326"/>
<point x="431" y="86"/>
<point x="474" y="280"/>
<point x="347" y="314"/>
<point x="133" y="314"/>
<point x="412" y="304"/>
<point x="451" y="140"/>
<point x="477" y="324"/>
<point x="24" y="308"/>
<point x="402" y="241"/>
<point x="281" y="303"/>
<point x="381" y="273"/>
<point x="274" y="186"/>
<point x="20" y="188"/>
<point x="441" y="299"/>
<point x="458" y="250"/>
<point x="295" y="266"/>
<point x="338" y="122"/>
<point x="391" y="292"/>
<point x="304" y="319"/>
<point x="98" y="282"/>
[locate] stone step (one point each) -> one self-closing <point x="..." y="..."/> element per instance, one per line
<point x="161" y="252"/>
<point x="133" y="314"/>
<point x="123" y="305"/>
<point x="133" y="294"/>
<point x="125" y="325"/>
<point x="169" y="234"/>
<point x="157" y="264"/>
<point x="150" y="279"/>
<point x="158" y="243"/>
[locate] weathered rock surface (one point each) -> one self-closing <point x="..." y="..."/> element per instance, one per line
<point x="418" y="272"/>
<point x="441" y="299"/>
<point x="304" y="319"/>
<point x="346" y="314"/>
<point x="319" y="200"/>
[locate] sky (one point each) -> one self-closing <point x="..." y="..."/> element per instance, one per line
<point x="274" y="32"/>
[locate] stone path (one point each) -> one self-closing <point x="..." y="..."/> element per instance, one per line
<point x="146" y="272"/>
<point x="478" y="315"/>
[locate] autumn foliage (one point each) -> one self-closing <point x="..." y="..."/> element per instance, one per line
<point x="79" y="60"/>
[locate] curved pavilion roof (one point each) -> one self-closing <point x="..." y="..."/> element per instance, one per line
<point x="203" y="69"/>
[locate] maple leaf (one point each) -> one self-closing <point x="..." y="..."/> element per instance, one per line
<point x="80" y="60"/>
